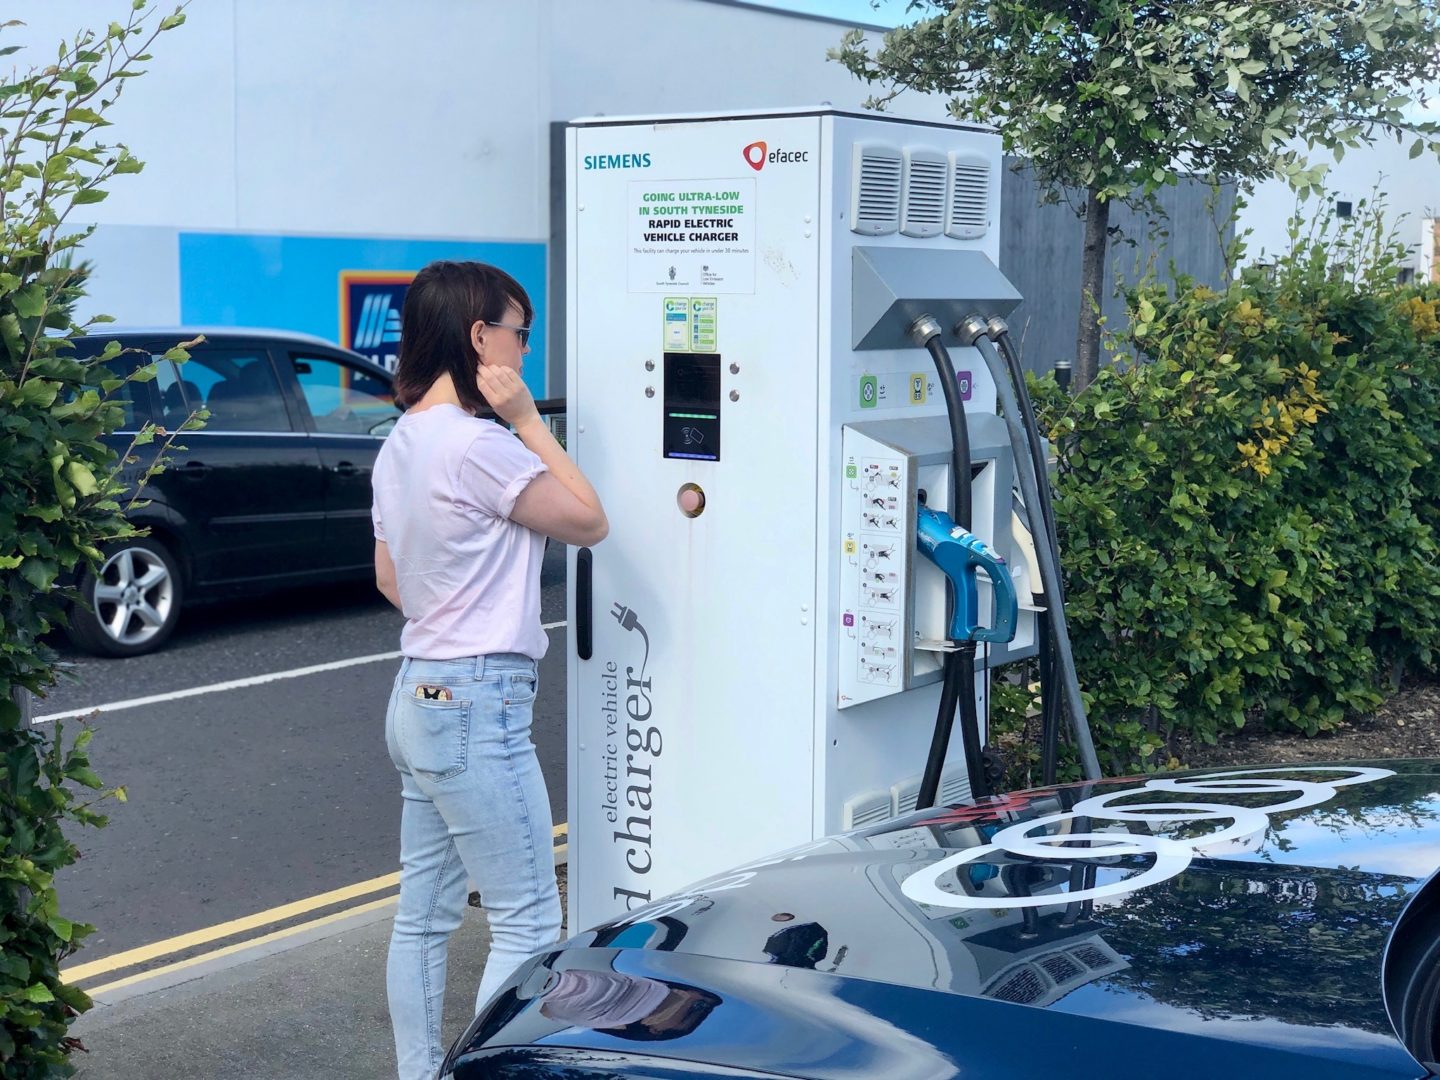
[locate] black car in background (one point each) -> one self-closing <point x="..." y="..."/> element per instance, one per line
<point x="274" y="491"/>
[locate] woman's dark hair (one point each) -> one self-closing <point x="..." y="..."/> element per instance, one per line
<point x="444" y="301"/>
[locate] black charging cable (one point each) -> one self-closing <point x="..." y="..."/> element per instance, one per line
<point x="958" y="680"/>
<point x="975" y="331"/>
<point x="1052" y="701"/>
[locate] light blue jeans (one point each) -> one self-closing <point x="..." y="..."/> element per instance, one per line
<point x="474" y="801"/>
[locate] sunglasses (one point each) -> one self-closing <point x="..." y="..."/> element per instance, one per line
<point x="521" y="332"/>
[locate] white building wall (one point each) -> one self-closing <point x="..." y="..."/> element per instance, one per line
<point x="1411" y="189"/>
<point x="178" y="118"/>
<point x="329" y="116"/>
<point x="638" y="57"/>
<point x="422" y="119"/>
<point x="416" y="119"/>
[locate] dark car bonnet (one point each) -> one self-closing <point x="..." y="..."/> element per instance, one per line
<point x="1246" y="909"/>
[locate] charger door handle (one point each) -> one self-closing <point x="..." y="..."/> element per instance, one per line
<point x="584" y="589"/>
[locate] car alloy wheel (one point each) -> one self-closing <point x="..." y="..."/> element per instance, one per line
<point x="134" y="601"/>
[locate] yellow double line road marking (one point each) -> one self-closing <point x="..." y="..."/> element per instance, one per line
<point x="146" y="953"/>
<point x="230" y="950"/>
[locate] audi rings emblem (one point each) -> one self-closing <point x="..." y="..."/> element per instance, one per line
<point x="1241" y="828"/>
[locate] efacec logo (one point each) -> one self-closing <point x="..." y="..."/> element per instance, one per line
<point x="758" y="153"/>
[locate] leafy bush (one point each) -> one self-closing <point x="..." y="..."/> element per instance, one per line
<point x="60" y="499"/>
<point x="1249" y="500"/>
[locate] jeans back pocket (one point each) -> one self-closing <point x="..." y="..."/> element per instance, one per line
<point x="433" y="735"/>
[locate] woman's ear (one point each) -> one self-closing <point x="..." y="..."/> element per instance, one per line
<point x="477" y="339"/>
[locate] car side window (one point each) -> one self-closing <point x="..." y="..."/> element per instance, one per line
<point x="345" y="399"/>
<point x="238" y="386"/>
<point x="169" y="389"/>
<point x="136" y="397"/>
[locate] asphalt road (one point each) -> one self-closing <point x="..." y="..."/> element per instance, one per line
<point x="245" y="799"/>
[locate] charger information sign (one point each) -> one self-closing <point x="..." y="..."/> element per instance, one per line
<point x="692" y="234"/>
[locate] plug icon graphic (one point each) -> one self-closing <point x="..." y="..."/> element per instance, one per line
<point x="627" y="620"/>
<point x="622" y="614"/>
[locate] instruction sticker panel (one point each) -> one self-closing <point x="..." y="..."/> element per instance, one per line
<point x="691" y="324"/>
<point x="692" y="234"/>
<point x="874" y="569"/>
<point x="896" y="389"/>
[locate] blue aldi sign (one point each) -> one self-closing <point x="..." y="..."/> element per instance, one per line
<point x="370" y="305"/>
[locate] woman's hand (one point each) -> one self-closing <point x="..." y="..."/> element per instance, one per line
<point x="505" y="392"/>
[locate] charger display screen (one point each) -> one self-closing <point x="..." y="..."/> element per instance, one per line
<point x="692" y="406"/>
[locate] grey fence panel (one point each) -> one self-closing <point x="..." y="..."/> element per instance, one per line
<point x="1040" y="248"/>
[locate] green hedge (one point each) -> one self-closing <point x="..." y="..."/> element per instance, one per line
<point x="63" y="494"/>
<point x="1248" y="505"/>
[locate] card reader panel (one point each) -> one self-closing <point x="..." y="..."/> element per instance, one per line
<point x="692" y="406"/>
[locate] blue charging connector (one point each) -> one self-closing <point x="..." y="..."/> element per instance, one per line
<point x="959" y="554"/>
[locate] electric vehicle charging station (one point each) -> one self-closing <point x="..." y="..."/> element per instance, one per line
<point x="755" y="652"/>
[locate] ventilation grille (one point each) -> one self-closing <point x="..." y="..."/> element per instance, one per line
<point x="906" y="795"/>
<point x="969" y="197"/>
<point x="922" y="212"/>
<point x="1060" y="967"/>
<point x="557" y="427"/>
<point x="875" y="190"/>
<point x="1049" y="977"/>
<point x="954" y="787"/>
<point x="877" y="806"/>
<point x="1092" y="957"/>
<point x="1023" y="987"/>
<point x="870" y="809"/>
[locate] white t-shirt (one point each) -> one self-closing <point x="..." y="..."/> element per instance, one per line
<point x="469" y="577"/>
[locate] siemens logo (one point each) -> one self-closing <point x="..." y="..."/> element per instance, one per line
<point x="617" y="161"/>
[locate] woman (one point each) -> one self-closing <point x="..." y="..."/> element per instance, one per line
<point x="461" y="510"/>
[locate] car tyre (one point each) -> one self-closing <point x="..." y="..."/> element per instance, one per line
<point x="130" y="607"/>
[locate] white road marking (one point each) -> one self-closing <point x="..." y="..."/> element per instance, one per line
<point x="233" y="684"/>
